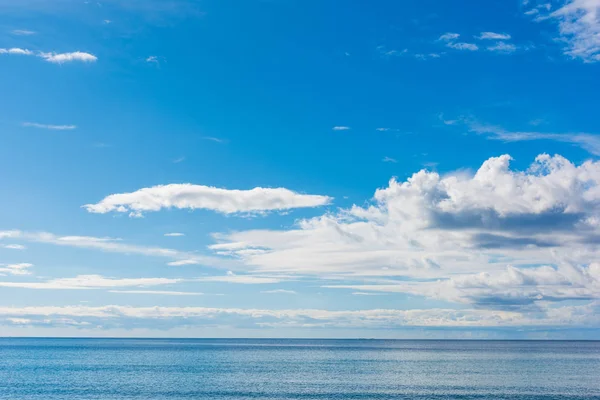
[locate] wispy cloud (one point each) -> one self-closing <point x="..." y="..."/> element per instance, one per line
<point x="88" y="282"/>
<point x="18" y="51"/>
<point x="215" y="139"/>
<point x="587" y="141"/>
<point x="503" y="48"/>
<point x="189" y="196"/>
<point x="449" y="36"/>
<point x="22" y="32"/>
<point x="158" y="292"/>
<point x="389" y="160"/>
<point x="463" y="46"/>
<point x="48" y="126"/>
<point x="279" y="291"/>
<point x="174" y="234"/>
<point x="341" y="128"/>
<point x="494" y="36"/>
<point x="578" y="26"/>
<point x="242" y="279"/>
<point x="178" y="160"/>
<point x="13" y="246"/>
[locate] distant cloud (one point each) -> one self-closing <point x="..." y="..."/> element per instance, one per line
<point x="421" y="56"/>
<point x="174" y="234"/>
<point x="13" y="246"/>
<point x="180" y="263"/>
<point x="178" y="160"/>
<point x="503" y="47"/>
<point x="279" y="291"/>
<point x="88" y="282"/>
<point x="152" y="59"/>
<point x="159" y="292"/>
<point x="60" y="58"/>
<point x="449" y="36"/>
<point x="107" y="21"/>
<point x="494" y="36"/>
<point x="463" y="46"/>
<point x="214" y="139"/>
<point x="382" y="129"/>
<point x="341" y="128"/>
<point x="47" y="126"/>
<point x="15" y="269"/>
<point x="241" y="279"/>
<point x="587" y="141"/>
<point x="22" y="32"/>
<point x="389" y="160"/>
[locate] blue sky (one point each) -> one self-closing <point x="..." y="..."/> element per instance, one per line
<point x="300" y="168"/>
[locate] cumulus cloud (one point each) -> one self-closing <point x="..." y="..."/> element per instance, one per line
<point x="442" y="230"/>
<point x="47" y="126"/>
<point x="578" y="26"/>
<point x="188" y="196"/>
<point x="15" y="269"/>
<point x="61" y="58"/>
<point x="494" y="36"/>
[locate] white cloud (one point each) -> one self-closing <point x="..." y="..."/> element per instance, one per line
<point x="214" y="139"/>
<point x="578" y="26"/>
<point x="90" y="282"/>
<point x="118" y="316"/>
<point x="51" y="127"/>
<point x="494" y="36"/>
<point x="159" y="292"/>
<point x="14" y="50"/>
<point x="179" y="263"/>
<point x="444" y="227"/>
<point x="15" y="269"/>
<point x="188" y="196"/>
<point x="503" y="47"/>
<point x="22" y="32"/>
<point x="152" y="59"/>
<point x="13" y="246"/>
<point x="242" y="279"/>
<point x="279" y="291"/>
<point x="449" y="36"/>
<point x="174" y="234"/>
<point x="341" y="128"/>
<point x="60" y="58"/>
<point x="463" y="46"/>
<point x="389" y="160"/>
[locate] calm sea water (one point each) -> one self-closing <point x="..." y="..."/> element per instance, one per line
<point x="297" y="369"/>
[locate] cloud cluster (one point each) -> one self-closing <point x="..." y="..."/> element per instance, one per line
<point x="188" y="196"/>
<point x="450" y="229"/>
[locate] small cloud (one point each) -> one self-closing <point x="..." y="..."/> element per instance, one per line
<point x="533" y="11"/>
<point x="178" y="160"/>
<point x="431" y="165"/>
<point x="449" y="36"/>
<point x="366" y="294"/>
<point x="152" y="59"/>
<point x="15" y="269"/>
<point x="279" y="291"/>
<point x="51" y="127"/>
<point x="537" y="122"/>
<point x="107" y="21"/>
<point x="100" y="145"/>
<point x="389" y="160"/>
<point x="17" y="51"/>
<point x="174" y="234"/>
<point x="347" y="54"/>
<point x="421" y="56"/>
<point x="160" y="292"/>
<point x="341" y="128"/>
<point x="23" y="32"/>
<point x="447" y="121"/>
<point x="214" y="139"/>
<point x="183" y="262"/>
<point x="463" y="46"/>
<point x="60" y="58"/>
<point x="382" y="129"/>
<point x="494" y="36"/>
<point x="503" y="47"/>
<point x="13" y="246"/>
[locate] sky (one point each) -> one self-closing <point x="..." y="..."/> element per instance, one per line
<point x="287" y="168"/>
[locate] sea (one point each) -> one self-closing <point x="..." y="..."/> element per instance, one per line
<point x="115" y="369"/>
